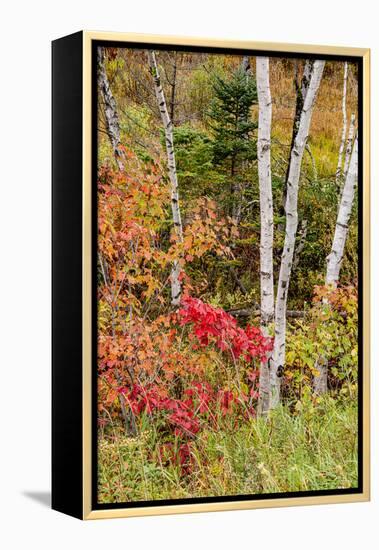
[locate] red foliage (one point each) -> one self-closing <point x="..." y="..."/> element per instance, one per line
<point x="213" y="324"/>
<point x="226" y="398"/>
<point x="185" y="417"/>
<point x="200" y="403"/>
<point x="179" y="413"/>
<point x="183" y="456"/>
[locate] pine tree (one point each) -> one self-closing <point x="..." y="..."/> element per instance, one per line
<point x="230" y="120"/>
<point x="233" y="130"/>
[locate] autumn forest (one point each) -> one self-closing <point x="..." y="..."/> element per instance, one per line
<point x="227" y="274"/>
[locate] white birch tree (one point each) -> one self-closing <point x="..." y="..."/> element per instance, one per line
<point x="277" y="365"/>
<point x="266" y="212"/>
<point x="110" y="109"/>
<point x="301" y="89"/>
<point x="335" y="257"/>
<point x="171" y="164"/>
<point x="344" y="125"/>
<point x="334" y="260"/>
<point x="349" y="145"/>
<point x="245" y="65"/>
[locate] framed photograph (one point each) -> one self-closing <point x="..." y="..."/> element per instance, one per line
<point x="210" y="275"/>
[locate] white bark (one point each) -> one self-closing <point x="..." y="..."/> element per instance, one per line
<point x="110" y="109"/>
<point x="245" y="65"/>
<point x="301" y="94"/>
<point x="344" y="124"/>
<point x="297" y="152"/>
<point x="171" y="164"/>
<point x="349" y="145"/>
<point x="266" y="211"/>
<point x="334" y="259"/>
<point x="320" y="380"/>
<point x="306" y="78"/>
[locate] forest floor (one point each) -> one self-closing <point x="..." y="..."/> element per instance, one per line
<point x="314" y="448"/>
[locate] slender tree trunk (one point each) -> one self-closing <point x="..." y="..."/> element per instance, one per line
<point x="320" y="382"/>
<point x="344" y="124"/>
<point x="349" y="146"/>
<point x="277" y="365"/>
<point x="113" y="131"/>
<point x="267" y="219"/>
<point x="301" y="93"/>
<point x="173" y="90"/>
<point x="334" y="260"/>
<point x="245" y="65"/>
<point x="110" y="109"/>
<point x="176" y="288"/>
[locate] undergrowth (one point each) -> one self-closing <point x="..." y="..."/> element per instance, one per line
<point x="313" y="448"/>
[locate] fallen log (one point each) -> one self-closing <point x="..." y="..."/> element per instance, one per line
<point x="255" y="312"/>
<point x="251" y="312"/>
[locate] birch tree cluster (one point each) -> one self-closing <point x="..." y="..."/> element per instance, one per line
<point x="228" y="242"/>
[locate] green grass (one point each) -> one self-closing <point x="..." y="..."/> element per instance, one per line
<point x="313" y="449"/>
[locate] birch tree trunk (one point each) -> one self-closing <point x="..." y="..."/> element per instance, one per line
<point x="176" y="288"/>
<point x="349" y="146"/>
<point x="277" y="365"/>
<point x="266" y="212"/>
<point x="110" y="109"/>
<point x="334" y="259"/>
<point x="173" y="89"/>
<point x="301" y="94"/>
<point x="344" y="124"/>
<point x="245" y="65"/>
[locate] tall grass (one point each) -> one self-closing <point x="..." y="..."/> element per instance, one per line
<point x="300" y="450"/>
<point x="326" y="126"/>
